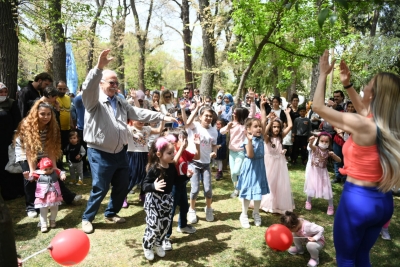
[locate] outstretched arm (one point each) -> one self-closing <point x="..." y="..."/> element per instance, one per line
<point x="289" y="121"/>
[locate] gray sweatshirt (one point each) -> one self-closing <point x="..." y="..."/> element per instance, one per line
<point x="103" y="130"/>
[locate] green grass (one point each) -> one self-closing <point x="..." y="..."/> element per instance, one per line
<point x="219" y="243"/>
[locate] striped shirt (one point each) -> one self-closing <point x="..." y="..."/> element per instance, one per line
<point x="20" y="154"/>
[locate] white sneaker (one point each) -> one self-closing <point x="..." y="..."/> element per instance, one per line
<point x="192" y="218"/>
<point x="188" y="229"/>
<point x="148" y="254"/>
<point x="166" y="245"/>
<point x="209" y="214"/>
<point x="244" y="221"/>
<point x="87" y="227"/>
<point x="385" y="234"/>
<point x="257" y="219"/>
<point x="235" y="194"/>
<point x="159" y="251"/>
<point x="32" y="214"/>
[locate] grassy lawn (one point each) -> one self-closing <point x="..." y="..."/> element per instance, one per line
<point x="219" y="243"/>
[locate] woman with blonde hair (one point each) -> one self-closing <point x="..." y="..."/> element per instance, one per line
<point x="371" y="159"/>
<point x="167" y="105"/>
<point x="38" y="136"/>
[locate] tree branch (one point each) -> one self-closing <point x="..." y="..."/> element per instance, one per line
<point x="290" y="52"/>
<point x="169" y="26"/>
<point x="180" y="6"/>
<point x="161" y="42"/>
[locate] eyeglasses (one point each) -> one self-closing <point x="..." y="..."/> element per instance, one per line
<point x="186" y="93"/>
<point x="112" y="83"/>
<point x="167" y="96"/>
<point x="62" y="89"/>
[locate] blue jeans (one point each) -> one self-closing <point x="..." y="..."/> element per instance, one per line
<point x="336" y="165"/>
<point x="180" y="199"/>
<point x="107" y="169"/>
<point x="359" y="218"/>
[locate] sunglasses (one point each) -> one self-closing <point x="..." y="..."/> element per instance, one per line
<point x="186" y="93"/>
<point x="167" y="96"/>
<point x="112" y="83"/>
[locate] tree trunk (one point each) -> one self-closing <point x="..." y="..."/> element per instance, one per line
<point x="9" y="47"/>
<point x="187" y="42"/>
<point x="8" y="252"/>
<point x="92" y="34"/>
<point x="314" y="79"/>
<point x="142" y="64"/>
<point x="207" y="77"/>
<point x="58" y="39"/>
<point x="276" y="80"/>
<point x="261" y="45"/>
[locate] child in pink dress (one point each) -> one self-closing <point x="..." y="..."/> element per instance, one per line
<point x="304" y="232"/>
<point x="317" y="182"/>
<point x="48" y="193"/>
<point x="280" y="198"/>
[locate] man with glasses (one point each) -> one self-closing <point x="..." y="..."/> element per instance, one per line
<point x="106" y="134"/>
<point x="187" y="100"/>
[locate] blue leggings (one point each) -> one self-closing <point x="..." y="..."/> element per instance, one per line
<point x="361" y="213"/>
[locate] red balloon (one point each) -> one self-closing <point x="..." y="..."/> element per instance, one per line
<point x="278" y="237"/>
<point x="70" y="247"/>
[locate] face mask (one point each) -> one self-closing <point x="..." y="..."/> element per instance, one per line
<point x="323" y="146"/>
<point x="208" y="104"/>
<point x="3" y="98"/>
<point x="61" y="94"/>
<point x="219" y="101"/>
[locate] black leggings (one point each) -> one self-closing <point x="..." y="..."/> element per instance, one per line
<point x="30" y="188"/>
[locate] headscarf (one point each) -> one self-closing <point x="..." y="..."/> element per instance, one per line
<point x="230" y="104"/>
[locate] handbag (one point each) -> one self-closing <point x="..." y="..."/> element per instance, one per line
<point x="12" y="166"/>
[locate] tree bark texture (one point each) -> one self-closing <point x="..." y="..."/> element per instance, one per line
<point x="207" y="29"/>
<point x="9" y="47"/>
<point x="314" y="79"/>
<point x="117" y="41"/>
<point x="260" y="47"/>
<point x="92" y="33"/>
<point x="8" y="252"/>
<point x="58" y="39"/>
<point x="187" y="43"/>
<point x="141" y="36"/>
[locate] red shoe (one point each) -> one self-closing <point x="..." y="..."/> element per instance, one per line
<point x="308" y="205"/>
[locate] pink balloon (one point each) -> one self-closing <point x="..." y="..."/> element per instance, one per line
<point x="278" y="237"/>
<point x="70" y="247"/>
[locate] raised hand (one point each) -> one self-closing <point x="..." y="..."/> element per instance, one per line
<point x="103" y="59"/>
<point x="287" y="110"/>
<point x="196" y="139"/>
<point x="345" y="73"/>
<point x="189" y="173"/>
<point x="182" y="103"/>
<point x="324" y="66"/>
<point x="133" y="93"/>
<point x="170" y="119"/>
<point x="158" y="185"/>
<point x="249" y="136"/>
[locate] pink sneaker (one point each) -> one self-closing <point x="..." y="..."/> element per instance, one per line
<point x="125" y="204"/>
<point x="330" y="211"/>
<point x="312" y="262"/>
<point x="308" y="205"/>
<point x="295" y="251"/>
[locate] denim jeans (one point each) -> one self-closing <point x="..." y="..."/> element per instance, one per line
<point x="180" y="199"/>
<point x="107" y="169"/>
<point x="336" y="165"/>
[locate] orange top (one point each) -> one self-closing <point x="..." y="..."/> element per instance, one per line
<point x="361" y="162"/>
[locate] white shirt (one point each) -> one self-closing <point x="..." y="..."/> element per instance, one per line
<point x="208" y="138"/>
<point x="138" y="139"/>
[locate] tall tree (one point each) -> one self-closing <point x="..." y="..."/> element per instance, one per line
<point x="58" y="40"/>
<point x="118" y="23"/>
<point x="92" y="33"/>
<point x="186" y="36"/>
<point x="208" y="59"/>
<point x="142" y="39"/>
<point x="9" y="45"/>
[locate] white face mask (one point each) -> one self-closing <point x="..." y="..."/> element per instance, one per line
<point x="219" y="101"/>
<point x="3" y="98"/>
<point x="323" y="146"/>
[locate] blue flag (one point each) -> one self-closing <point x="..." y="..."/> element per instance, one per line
<point x="72" y="75"/>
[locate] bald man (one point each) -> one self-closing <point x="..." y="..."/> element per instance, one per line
<point x="106" y="134"/>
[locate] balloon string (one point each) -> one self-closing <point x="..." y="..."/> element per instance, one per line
<point x="33" y="255"/>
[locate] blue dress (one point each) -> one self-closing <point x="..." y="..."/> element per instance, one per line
<point x="252" y="181"/>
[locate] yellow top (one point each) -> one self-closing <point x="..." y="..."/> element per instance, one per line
<point x="65" y="112"/>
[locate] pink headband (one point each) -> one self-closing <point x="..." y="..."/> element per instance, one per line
<point x="325" y="133"/>
<point x="165" y="140"/>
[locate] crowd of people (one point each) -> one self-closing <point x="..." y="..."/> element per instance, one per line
<point x="155" y="143"/>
